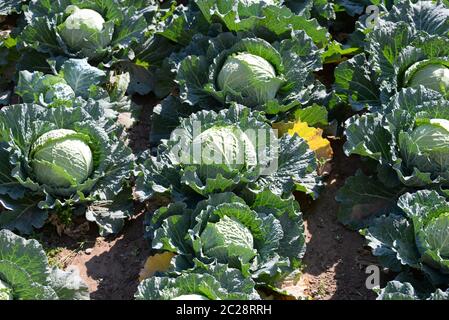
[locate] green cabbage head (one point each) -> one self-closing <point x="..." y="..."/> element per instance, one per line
<point x="81" y="27"/>
<point x="225" y="237"/>
<point x="62" y="158"/>
<point x="5" y="291"/>
<point x="227" y="147"/>
<point x="248" y="78"/>
<point x="432" y="76"/>
<point x="432" y="139"/>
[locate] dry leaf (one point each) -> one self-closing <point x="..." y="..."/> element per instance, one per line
<point x="159" y="262"/>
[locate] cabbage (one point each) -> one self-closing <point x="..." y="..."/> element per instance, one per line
<point x="5" y="291"/>
<point x="81" y="27"/>
<point x="228" y="146"/>
<point x="61" y="158"/>
<point x="262" y="235"/>
<point x="26" y="275"/>
<point x="201" y="156"/>
<point x="102" y="31"/>
<point x="407" y="47"/>
<point x="432" y="139"/>
<point x="75" y="83"/>
<point x="249" y="79"/>
<point x="226" y="236"/>
<point x="415" y="238"/>
<point x="202" y="282"/>
<point x="432" y="76"/>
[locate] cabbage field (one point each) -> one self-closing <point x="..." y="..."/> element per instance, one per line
<point x="224" y="150"/>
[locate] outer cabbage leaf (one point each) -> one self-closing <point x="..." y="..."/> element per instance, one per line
<point x="24" y="267"/>
<point x="212" y="282"/>
<point x="415" y="239"/>
<point x="74" y="84"/>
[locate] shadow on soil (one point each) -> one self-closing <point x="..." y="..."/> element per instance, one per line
<point x="116" y="270"/>
<point x="335" y="258"/>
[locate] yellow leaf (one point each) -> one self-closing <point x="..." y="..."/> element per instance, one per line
<point x="159" y="262"/>
<point x="313" y="136"/>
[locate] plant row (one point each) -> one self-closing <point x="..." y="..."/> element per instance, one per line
<point x="238" y="131"/>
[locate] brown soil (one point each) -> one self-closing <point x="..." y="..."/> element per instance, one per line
<point x="111" y="267"/>
<point x="335" y="259"/>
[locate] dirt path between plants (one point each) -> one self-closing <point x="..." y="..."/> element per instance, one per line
<point x="335" y="259"/>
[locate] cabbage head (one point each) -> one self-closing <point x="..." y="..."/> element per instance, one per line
<point x="433" y="76"/>
<point x="60" y="92"/>
<point x="432" y="139"/>
<point x="262" y="236"/>
<point x="227" y="147"/>
<point x="63" y="160"/>
<point x="80" y="26"/>
<point x="249" y="79"/>
<point x="226" y="236"/>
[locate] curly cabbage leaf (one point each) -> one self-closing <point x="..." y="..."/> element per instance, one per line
<point x="416" y="238"/>
<point x="203" y="282"/>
